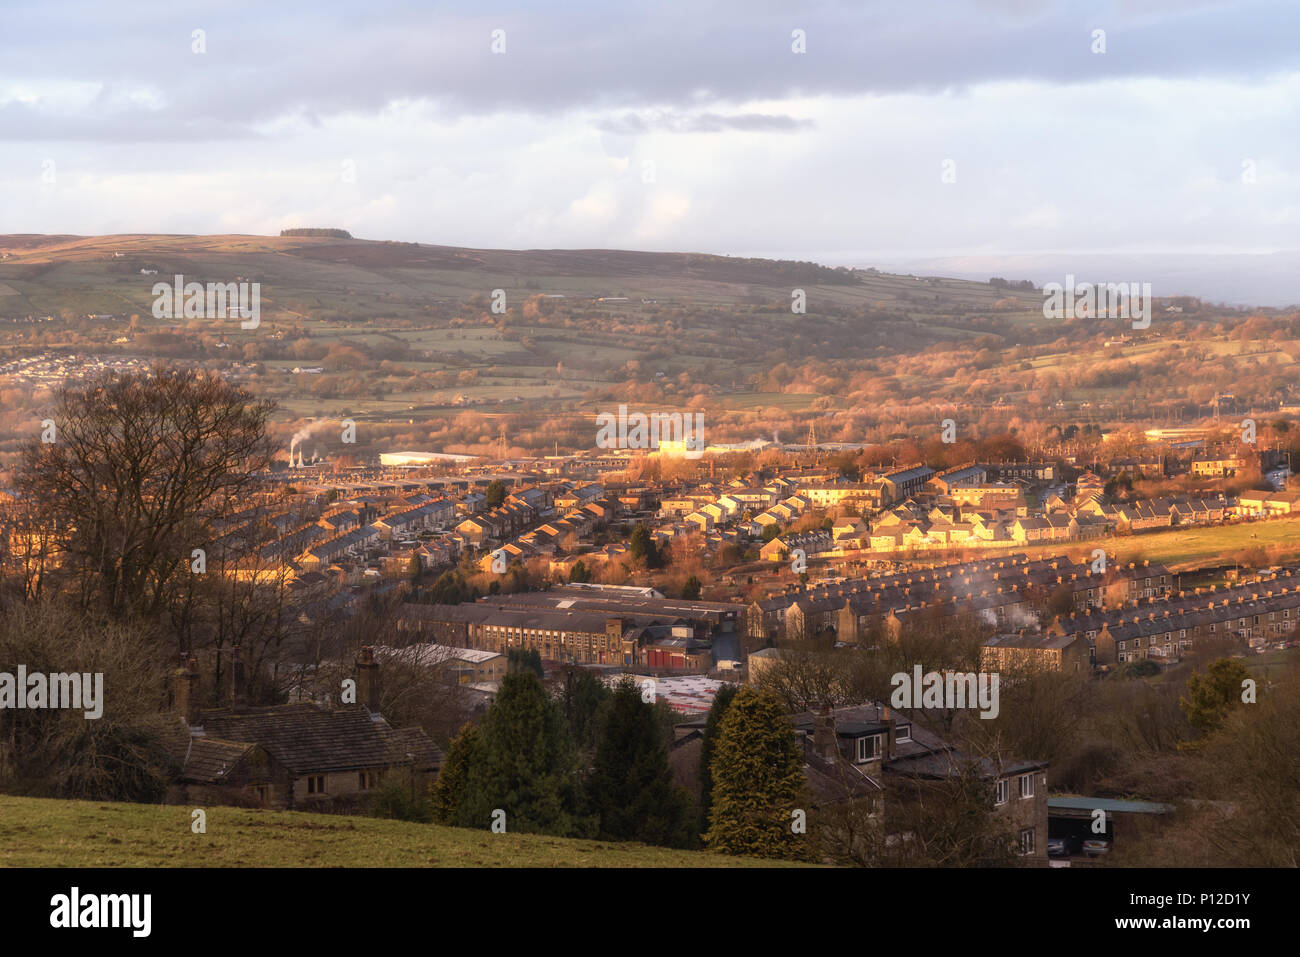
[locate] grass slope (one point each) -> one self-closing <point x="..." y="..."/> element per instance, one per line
<point x="44" y="833"/>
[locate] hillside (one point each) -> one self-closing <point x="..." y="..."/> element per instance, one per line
<point x="44" y="833"/>
<point x="406" y="339"/>
<point x="49" y="273"/>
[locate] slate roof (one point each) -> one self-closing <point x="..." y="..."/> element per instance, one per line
<point x="210" y="760"/>
<point x="306" y="738"/>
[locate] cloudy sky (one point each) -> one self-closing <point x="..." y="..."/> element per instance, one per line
<point x="964" y="133"/>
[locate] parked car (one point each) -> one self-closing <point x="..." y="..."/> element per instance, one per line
<point x="1096" y="847"/>
<point x="1057" y="847"/>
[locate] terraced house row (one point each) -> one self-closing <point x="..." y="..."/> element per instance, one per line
<point x="1252" y="615"/>
<point x="997" y="590"/>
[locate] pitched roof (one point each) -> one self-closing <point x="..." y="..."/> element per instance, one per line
<point x="306" y="738"/>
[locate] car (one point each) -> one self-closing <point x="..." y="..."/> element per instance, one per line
<point x="1096" y="847"/>
<point x="1057" y="847"/>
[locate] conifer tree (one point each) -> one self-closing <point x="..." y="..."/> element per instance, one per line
<point x="631" y="786"/>
<point x="582" y="699"/>
<point x="448" y="792"/>
<point x="1211" y="696"/>
<point x="757" y="780"/>
<point x="528" y="766"/>
<point x="707" y="743"/>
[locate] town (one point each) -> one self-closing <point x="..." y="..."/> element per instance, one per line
<point x="445" y="443"/>
<point x="802" y="573"/>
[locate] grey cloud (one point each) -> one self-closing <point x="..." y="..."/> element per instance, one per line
<point x="323" y="59"/>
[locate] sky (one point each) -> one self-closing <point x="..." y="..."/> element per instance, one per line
<point x="958" y="136"/>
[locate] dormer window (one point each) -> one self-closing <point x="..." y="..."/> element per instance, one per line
<point x="868" y="748"/>
<point x="903" y="733"/>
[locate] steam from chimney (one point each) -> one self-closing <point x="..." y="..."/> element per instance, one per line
<point x="301" y="436"/>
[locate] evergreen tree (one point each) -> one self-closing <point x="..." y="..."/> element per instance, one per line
<point x="707" y="743"/>
<point x="631" y="786"/>
<point x="448" y="792"/>
<point x="580" y="572"/>
<point x="691" y="590"/>
<point x="582" y="698"/>
<point x="642" y="548"/>
<point x="528" y="766"/>
<point x="496" y="493"/>
<point x="525" y="659"/>
<point x="1211" y="696"/>
<point x="757" y="779"/>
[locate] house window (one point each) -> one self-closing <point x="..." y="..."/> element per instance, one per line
<point x="1002" y="792"/>
<point x="903" y="733"/>
<point x="316" y="784"/>
<point x="1027" y="840"/>
<point x="868" y="748"/>
<point x="1026" y="785"/>
<point x="366" y="780"/>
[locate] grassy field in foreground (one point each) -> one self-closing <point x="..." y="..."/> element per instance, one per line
<point x="50" y="833"/>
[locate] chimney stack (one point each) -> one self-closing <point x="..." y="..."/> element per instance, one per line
<point x="368" y="679"/>
<point x="187" y="701"/>
<point x="824" y="735"/>
<point x="891" y="740"/>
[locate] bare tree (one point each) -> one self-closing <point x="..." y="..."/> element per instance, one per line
<point x="140" y="467"/>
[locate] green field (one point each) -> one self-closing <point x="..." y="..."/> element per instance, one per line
<point x="45" y="833"/>
<point x="1183" y="548"/>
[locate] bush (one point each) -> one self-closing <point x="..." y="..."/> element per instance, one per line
<point x="1137" y="669"/>
<point x="394" y="799"/>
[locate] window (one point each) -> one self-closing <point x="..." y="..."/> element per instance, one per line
<point x="903" y="733"/>
<point x="366" y="780"/>
<point x="868" y="748"/>
<point x="316" y="784"/>
<point x="1002" y="790"/>
<point x="1026" y="785"/>
<point x="1027" y="840"/>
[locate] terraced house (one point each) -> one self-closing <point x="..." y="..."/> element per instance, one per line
<point x="996" y="590"/>
<point x="1246" y="616"/>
